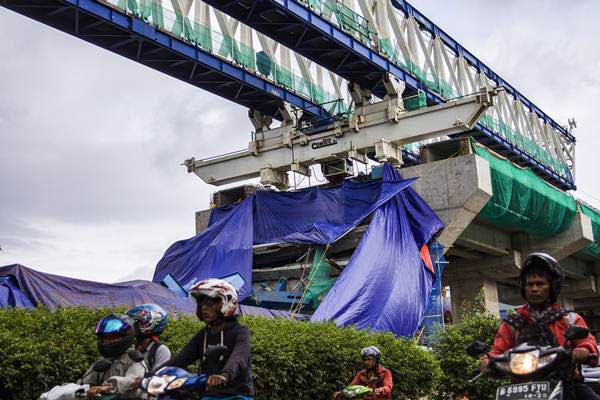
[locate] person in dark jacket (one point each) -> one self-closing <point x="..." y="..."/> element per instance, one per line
<point x="216" y="306"/>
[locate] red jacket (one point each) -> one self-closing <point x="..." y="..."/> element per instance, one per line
<point x="505" y="338"/>
<point x="385" y="382"/>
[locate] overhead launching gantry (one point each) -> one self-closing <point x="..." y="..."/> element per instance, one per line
<point x="375" y="131"/>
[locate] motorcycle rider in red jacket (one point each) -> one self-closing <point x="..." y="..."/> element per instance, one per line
<point x="542" y="320"/>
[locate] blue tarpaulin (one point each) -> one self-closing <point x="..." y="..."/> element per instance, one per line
<point x="317" y="215"/>
<point x="55" y="291"/>
<point x="386" y="285"/>
<point x="25" y="288"/>
<point x="223" y="249"/>
<point x="11" y="295"/>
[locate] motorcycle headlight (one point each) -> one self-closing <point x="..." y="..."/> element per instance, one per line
<point x="158" y="384"/>
<point x="177" y="383"/>
<point x="524" y="363"/>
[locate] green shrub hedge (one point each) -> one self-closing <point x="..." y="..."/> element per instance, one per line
<point x="291" y="359"/>
<point x="457" y="366"/>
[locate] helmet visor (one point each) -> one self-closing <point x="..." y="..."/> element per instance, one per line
<point x="110" y="325"/>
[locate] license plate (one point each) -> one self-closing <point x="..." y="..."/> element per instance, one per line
<point x="523" y="391"/>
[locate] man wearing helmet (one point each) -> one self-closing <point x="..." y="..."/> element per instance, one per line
<point x="216" y="306"/>
<point x="374" y="376"/>
<point x="115" y="339"/>
<point x="150" y="320"/>
<point x="542" y="321"/>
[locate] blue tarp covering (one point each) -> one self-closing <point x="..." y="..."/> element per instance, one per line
<point x="11" y="295"/>
<point x="55" y="291"/>
<point x="223" y="249"/>
<point x="24" y="287"/>
<point x="386" y="285"/>
<point x="317" y="216"/>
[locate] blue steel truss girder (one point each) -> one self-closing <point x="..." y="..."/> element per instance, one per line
<point x="424" y="22"/>
<point x="135" y="39"/>
<point x="286" y="21"/>
<point x="326" y="44"/>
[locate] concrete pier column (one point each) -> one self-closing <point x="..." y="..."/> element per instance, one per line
<point x="202" y="219"/>
<point x="466" y="290"/>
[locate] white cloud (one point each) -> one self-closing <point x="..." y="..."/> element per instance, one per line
<point x="90" y="181"/>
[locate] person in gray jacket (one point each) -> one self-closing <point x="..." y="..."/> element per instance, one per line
<point x="115" y="337"/>
<point x="150" y="320"/>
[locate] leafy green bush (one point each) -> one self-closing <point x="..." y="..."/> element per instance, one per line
<point x="290" y="359"/>
<point x="457" y="366"/>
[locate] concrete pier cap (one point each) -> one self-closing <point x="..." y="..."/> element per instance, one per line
<point x="456" y="189"/>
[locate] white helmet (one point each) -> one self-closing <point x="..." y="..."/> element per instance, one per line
<point x="371" y="351"/>
<point x="217" y="289"/>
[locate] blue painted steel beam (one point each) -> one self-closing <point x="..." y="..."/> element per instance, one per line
<point x="135" y="39"/>
<point x="326" y="44"/>
<point x="436" y="31"/>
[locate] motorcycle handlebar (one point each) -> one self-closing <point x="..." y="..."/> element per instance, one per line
<point x="591" y="358"/>
<point x="505" y="358"/>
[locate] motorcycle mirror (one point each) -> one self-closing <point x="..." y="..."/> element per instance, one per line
<point x="576" y="333"/>
<point x="101" y="365"/>
<point x="477" y="349"/>
<point x="135" y="355"/>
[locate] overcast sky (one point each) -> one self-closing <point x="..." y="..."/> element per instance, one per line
<point x="90" y="143"/>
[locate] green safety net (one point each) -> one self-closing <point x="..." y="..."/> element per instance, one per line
<point x="594" y="248"/>
<point x="532" y="148"/>
<point x="229" y="48"/>
<point x="355" y="24"/>
<point x="522" y="201"/>
<point x="319" y="281"/>
<point x="346" y="18"/>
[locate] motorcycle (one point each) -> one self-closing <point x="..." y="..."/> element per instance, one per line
<point x="72" y="391"/>
<point x="352" y="391"/>
<point x="591" y="377"/>
<point x="356" y="391"/>
<point x="170" y="383"/>
<point x="540" y="372"/>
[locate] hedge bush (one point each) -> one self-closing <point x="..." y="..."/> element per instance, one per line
<point x="290" y="359"/>
<point x="457" y="366"/>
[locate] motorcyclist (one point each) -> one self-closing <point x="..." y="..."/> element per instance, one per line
<point x="374" y="376"/>
<point x="115" y="339"/>
<point x="216" y="305"/>
<point x="542" y="321"/>
<point x="150" y="320"/>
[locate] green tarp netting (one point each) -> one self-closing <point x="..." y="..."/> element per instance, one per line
<point x="319" y="281"/>
<point x="594" y="248"/>
<point x="524" y="202"/>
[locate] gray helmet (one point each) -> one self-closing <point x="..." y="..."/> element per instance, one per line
<point x="371" y="351"/>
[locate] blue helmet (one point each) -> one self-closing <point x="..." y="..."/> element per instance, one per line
<point x="116" y="335"/>
<point x="150" y="319"/>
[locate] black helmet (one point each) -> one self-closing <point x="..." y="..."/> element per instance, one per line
<point x="116" y="335"/>
<point x="550" y="267"/>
